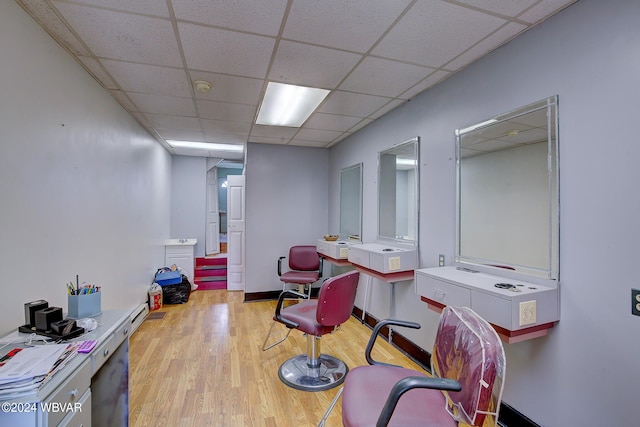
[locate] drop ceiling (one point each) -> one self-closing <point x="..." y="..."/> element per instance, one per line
<point x="373" y="55"/>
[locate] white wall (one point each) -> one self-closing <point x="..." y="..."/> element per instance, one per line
<point x="82" y="185"/>
<point x="188" y="200"/>
<point x="585" y="372"/>
<point x="286" y="205"/>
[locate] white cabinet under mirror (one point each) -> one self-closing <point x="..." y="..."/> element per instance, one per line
<point x="396" y="247"/>
<point x="507" y="224"/>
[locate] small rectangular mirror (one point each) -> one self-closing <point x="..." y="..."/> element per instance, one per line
<point x="351" y="203"/>
<point x="398" y="181"/>
<point x="508" y="192"/>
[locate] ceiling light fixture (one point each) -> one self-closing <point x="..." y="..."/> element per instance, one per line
<point x="206" y="146"/>
<point x="202" y="86"/>
<point x="288" y="105"/>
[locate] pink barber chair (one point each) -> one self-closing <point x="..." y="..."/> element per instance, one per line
<point x="305" y="268"/>
<point x="468" y="366"/>
<point x="315" y="371"/>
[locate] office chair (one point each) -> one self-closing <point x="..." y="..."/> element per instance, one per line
<point x="305" y="268"/>
<point x="468" y="366"/>
<point x="315" y="371"/>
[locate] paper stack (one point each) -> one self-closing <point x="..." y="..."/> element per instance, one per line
<point x="23" y="370"/>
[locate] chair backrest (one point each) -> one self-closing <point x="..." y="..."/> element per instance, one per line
<point x="304" y="258"/>
<point x="469" y="350"/>
<point x="336" y="298"/>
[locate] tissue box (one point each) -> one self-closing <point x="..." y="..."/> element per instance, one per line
<point x="84" y="305"/>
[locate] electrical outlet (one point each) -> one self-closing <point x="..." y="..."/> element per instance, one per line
<point x="527" y="312"/>
<point x="635" y="302"/>
<point x="441" y="260"/>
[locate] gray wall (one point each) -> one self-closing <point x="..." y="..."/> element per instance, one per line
<point x="286" y="205"/>
<point x="188" y="200"/>
<point x="83" y="186"/>
<point x="585" y="372"/>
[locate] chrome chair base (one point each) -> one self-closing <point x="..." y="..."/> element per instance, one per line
<point x="327" y="373"/>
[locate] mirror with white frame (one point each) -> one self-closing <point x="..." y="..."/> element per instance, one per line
<point x="398" y="180"/>
<point x="508" y="192"/>
<point x="351" y="203"/>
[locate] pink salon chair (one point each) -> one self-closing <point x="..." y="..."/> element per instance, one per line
<point x="315" y="371"/>
<point x="468" y="366"/>
<point x="305" y="268"/>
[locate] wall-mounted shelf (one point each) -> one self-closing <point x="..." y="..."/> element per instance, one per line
<point x="518" y="310"/>
<point x="384" y="258"/>
<point x="336" y="252"/>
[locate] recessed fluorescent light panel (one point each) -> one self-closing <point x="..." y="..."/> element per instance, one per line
<point x="288" y="105"/>
<point x="206" y="146"/>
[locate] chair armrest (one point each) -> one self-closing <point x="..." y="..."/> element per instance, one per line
<point x="280" y="265"/>
<point x="279" y="318"/>
<point x="376" y="331"/>
<point x="320" y="269"/>
<point x="410" y="383"/>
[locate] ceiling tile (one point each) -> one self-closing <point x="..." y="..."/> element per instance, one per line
<point x="350" y="25"/>
<point x="509" y="8"/>
<point x="163" y="121"/>
<point x="149" y="78"/>
<point x="360" y="125"/>
<point x="240" y="90"/>
<point x="42" y="13"/>
<point x="306" y="65"/>
<point x="431" y="34"/>
<point x="225" y="111"/>
<point x="394" y="103"/>
<point x="317" y="135"/>
<point x="100" y="74"/>
<point x="331" y="122"/>
<point x="124" y="100"/>
<point x="181" y="135"/>
<point x="263" y="17"/>
<point x="273" y="131"/>
<point x="377" y="76"/>
<point x="352" y="104"/>
<point x="232" y="53"/>
<point x="265" y="140"/>
<point x="123" y="36"/>
<point x="160" y="104"/>
<point x="312" y="144"/>
<point x="226" y="138"/>
<point x="144" y="7"/>
<point x="485" y="46"/>
<point x="433" y="79"/>
<point x="543" y="9"/>
<point x="225" y="126"/>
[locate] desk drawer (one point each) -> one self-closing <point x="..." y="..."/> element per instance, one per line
<point x="68" y="394"/>
<point x="100" y="354"/>
<point x="81" y="414"/>
<point x="122" y="332"/>
<point x="443" y="292"/>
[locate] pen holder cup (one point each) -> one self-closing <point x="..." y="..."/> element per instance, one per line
<point x="81" y="306"/>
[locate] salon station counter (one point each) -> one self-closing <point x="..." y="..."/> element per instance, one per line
<point x="518" y="310"/>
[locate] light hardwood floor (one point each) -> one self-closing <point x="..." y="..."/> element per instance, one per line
<point x="202" y="365"/>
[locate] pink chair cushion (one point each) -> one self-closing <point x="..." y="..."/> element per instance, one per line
<point x="418" y="407"/>
<point x="304" y="258"/>
<point x="332" y="308"/>
<point x="301" y="277"/>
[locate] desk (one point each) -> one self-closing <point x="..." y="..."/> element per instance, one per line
<point x="91" y="389"/>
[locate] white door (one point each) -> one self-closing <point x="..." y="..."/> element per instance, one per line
<point x="235" y="232"/>
<point x="212" y="234"/>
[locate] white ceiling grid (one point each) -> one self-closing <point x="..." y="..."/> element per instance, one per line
<point x="373" y="55"/>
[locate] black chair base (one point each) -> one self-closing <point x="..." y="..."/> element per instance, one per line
<point x="328" y="373"/>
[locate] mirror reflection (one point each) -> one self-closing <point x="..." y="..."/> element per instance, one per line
<point x="398" y="193"/>
<point x="351" y="202"/>
<point x="507" y="204"/>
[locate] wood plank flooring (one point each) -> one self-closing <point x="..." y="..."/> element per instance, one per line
<point x="202" y="365"/>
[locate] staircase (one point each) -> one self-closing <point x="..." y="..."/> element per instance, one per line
<point x="211" y="273"/>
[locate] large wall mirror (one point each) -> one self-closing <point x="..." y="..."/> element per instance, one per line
<point x="508" y="192"/>
<point x="398" y="180"/>
<point x="351" y="202"/>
